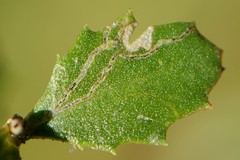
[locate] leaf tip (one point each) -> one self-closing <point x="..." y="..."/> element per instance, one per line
<point x="127" y="18"/>
<point x="58" y="57"/>
<point x="113" y="152"/>
<point x="86" y="28"/>
<point x="161" y="142"/>
<point x="209" y="106"/>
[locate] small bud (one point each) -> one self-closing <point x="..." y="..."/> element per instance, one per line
<point x="16" y="126"/>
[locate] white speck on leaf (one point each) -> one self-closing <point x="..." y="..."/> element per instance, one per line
<point x="144" y="118"/>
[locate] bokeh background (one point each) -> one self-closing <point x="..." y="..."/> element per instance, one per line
<point x="33" y="32"/>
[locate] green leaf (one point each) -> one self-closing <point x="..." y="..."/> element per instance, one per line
<point x="107" y="91"/>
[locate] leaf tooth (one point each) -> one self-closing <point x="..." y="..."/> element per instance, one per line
<point x="86" y="28"/>
<point x="209" y="106"/>
<point x="127" y="18"/>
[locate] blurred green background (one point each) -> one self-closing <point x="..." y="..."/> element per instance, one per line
<point x="32" y="32"/>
